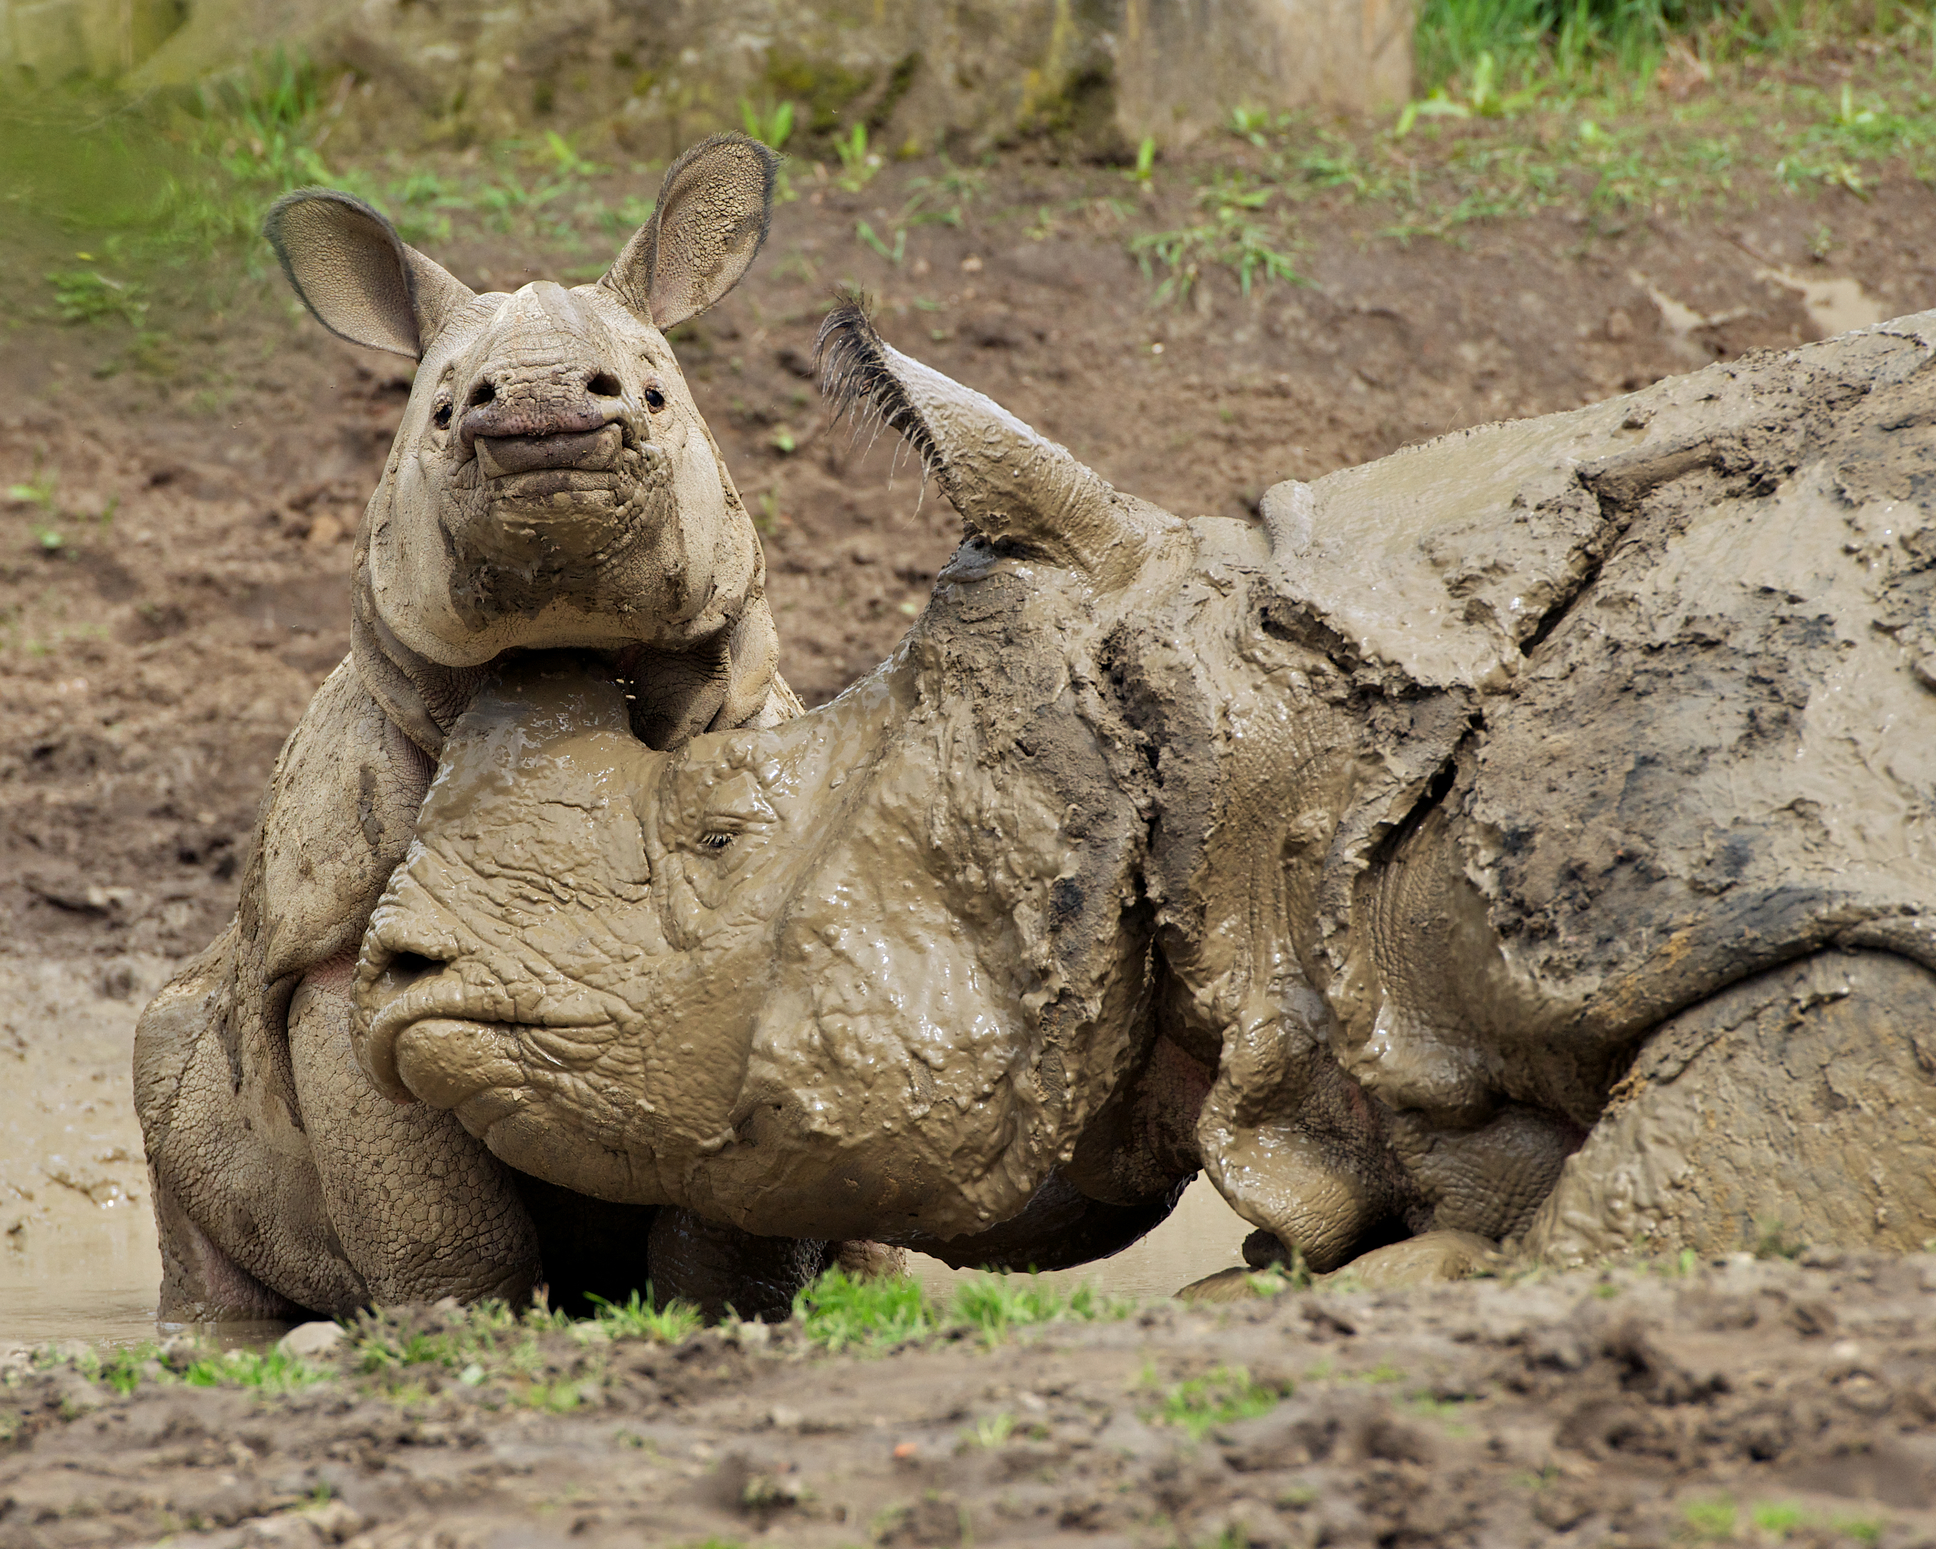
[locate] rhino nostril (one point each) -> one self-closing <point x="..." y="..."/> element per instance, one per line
<point x="604" y="385"/>
<point x="481" y="394"/>
<point x="407" y="967"/>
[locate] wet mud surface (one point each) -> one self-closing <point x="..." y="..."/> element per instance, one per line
<point x="1763" y="1402"/>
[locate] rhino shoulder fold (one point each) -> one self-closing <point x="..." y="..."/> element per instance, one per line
<point x="339" y="814"/>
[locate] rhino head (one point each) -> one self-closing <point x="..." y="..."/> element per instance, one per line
<point x="552" y="483"/>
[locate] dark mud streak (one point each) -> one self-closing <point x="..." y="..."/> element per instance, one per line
<point x="1619" y="485"/>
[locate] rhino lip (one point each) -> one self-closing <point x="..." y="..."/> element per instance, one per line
<point x="451" y="1006"/>
<point x="586" y="451"/>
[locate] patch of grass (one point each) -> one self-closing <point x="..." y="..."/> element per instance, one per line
<point x="1778" y="1517"/>
<point x="123" y="1367"/>
<point x="1711" y="1520"/>
<point x="267" y="1371"/>
<point x="992" y="1431"/>
<point x="1573" y="47"/>
<point x="1224" y="1393"/>
<point x="1237" y="234"/>
<point x="89" y="296"/>
<point x="770" y="122"/>
<point x="839" y="1311"/>
<point x="640" y="1318"/>
<point x="857" y="163"/>
<point x="993" y="1304"/>
<point x="871" y="238"/>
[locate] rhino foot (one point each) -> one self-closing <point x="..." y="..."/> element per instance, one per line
<point x="724" y="1271"/>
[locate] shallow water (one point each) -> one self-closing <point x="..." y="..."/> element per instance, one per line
<point x="1202" y="1236"/>
<point x="1835" y="304"/>
<point x="77" y="1245"/>
<point x="77" y="1235"/>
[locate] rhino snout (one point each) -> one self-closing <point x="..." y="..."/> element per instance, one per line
<point x="542" y="419"/>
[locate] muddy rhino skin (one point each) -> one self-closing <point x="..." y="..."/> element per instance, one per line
<point x="1526" y="836"/>
<point x="551" y="485"/>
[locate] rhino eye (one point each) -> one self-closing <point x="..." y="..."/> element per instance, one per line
<point x="441" y="416"/>
<point x="654" y="399"/>
<point x="716" y="840"/>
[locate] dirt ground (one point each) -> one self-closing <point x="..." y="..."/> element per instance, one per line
<point x="152" y="662"/>
<point x="1752" y="1402"/>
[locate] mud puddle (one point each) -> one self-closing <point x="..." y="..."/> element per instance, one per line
<point x="77" y="1236"/>
<point x="77" y="1244"/>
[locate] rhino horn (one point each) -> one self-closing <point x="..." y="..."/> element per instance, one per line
<point x="1009" y="483"/>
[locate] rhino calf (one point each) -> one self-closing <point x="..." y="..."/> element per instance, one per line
<point x="552" y="485"/>
<point x="1526" y="836"/>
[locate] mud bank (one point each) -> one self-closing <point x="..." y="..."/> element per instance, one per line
<point x="1755" y="1401"/>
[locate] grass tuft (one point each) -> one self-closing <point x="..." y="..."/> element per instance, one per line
<point x="839" y="1311"/>
<point x="267" y="1371"/>
<point x="1221" y="1395"/>
<point x="993" y="1304"/>
<point x="1711" y="1520"/>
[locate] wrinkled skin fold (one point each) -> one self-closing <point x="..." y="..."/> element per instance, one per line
<point x="1507" y="838"/>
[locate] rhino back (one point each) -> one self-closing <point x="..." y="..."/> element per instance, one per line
<point x="1714" y="752"/>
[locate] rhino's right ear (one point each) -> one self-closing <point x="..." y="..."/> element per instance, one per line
<point x="355" y="273"/>
<point x="713" y="210"/>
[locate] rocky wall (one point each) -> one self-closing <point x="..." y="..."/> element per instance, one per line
<point x="921" y="74"/>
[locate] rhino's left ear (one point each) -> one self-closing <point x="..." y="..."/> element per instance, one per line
<point x="357" y="275"/>
<point x="714" y="206"/>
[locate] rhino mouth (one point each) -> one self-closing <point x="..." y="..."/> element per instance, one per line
<point x="586" y="451"/>
<point x="435" y="1037"/>
<point x="547" y="483"/>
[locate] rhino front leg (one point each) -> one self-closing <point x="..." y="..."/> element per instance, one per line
<point x="238" y="1205"/>
<point x="1297" y="1147"/>
<point x="720" y="1268"/>
<point x="420" y="1207"/>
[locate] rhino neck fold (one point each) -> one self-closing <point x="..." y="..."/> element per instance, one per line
<point x="722" y="681"/>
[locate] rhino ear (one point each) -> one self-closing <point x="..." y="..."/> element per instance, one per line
<point x="713" y="210"/>
<point x="355" y="273"/>
<point x="1008" y="482"/>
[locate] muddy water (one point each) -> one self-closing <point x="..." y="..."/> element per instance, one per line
<point x="77" y="1239"/>
<point x="1835" y="304"/>
<point x="77" y="1244"/>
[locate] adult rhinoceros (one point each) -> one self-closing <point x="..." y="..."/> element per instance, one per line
<point x="1528" y="834"/>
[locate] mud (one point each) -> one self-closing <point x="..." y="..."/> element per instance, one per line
<point x="77" y="1236"/>
<point x="1754" y="1402"/>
